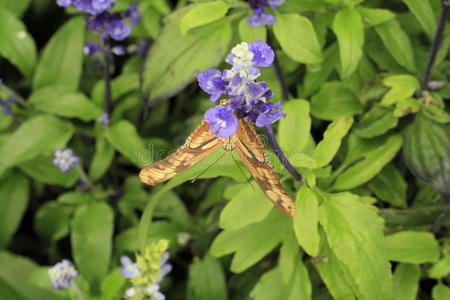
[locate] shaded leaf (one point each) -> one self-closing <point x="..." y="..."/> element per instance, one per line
<point x="206" y="279"/>
<point x="412" y="247"/>
<point x="390" y="186"/>
<point x="406" y="281"/>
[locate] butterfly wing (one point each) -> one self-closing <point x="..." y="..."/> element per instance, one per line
<point x="251" y="150"/>
<point x="201" y="143"/>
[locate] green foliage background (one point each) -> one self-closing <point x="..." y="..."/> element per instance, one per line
<point x="372" y="147"/>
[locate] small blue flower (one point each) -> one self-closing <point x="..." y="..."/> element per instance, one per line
<point x="91" y="48"/>
<point x="101" y="5"/>
<point x="119" y="50"/>
<point x="211" y="82"/>
<point x="103" y="119"/>
<point x="129" y="269"/>
<point x="117" y="29"/>
<point x="263" y="54"/>
<point x="260" y="18"/>
<point x="132" y="13"/>
<point x="221" y="120"/>
<point x="62" y="274"/>
<point x="6" y="104"/>
<point x="65" y="160"/>
<point x="64" y="3"/>
<point x="274" y="3"/>
<point x="268" y="116"/>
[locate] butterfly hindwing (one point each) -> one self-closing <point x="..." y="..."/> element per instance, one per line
<point x="251" y="150"/>
<point x="201" y="143"/>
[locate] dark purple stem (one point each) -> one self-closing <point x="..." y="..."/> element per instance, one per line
<point x="279" y="153"/>
<point x="436" y="45"/>
<point x="441" y="219"/>
<point x="107" y="76"/>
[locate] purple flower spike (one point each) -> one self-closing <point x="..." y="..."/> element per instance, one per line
<point x="263" y="54"/>
<point x="260" y="17"/>
<point x="118" y="30"/>
<point x="268" y="116"/>
<point x="222" y="121"/>
<point x="211" y="81"/>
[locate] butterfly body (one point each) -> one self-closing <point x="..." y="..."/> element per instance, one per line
<point x="202" y="142"/>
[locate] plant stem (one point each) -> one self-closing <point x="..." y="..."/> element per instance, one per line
<point x="441" y="219"/>
<point x="436" y="45"/>
<point x="278" y="71"/>
<point x="279" y="153"/>
<point x="107" y="76"/>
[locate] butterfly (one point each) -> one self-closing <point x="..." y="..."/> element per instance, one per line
<point x="202" y="142"/>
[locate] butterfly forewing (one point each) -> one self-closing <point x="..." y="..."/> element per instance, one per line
<point x="201" y="143"/>
<point x="250" y="149"/>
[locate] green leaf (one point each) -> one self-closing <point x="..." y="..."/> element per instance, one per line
<point x="334" y="101"/>
<point x="42" y="169"/>
<point x="441" y="292"/>
<point x="402" y="87"/>
<point x="62" y="58"/>
<point x="175" y="59"/>
<point x="306" y="221"/>
<point x="368" y="168"/>
<point x="412" y="247"/>
<point x="92" y="229"/>
<point x="203" y="13"/>
<point x="16" y="44"/>
<point x="251" y="200"/>
<point x="397" y="43"/>
<point x="123" y="136"/>
<point x="265" y="289"/>
<point x="332" y="273"/>
<point x="331" y="142"/>
<point x="103" y="156"/>
<point x="423" y="11"/>
<point x="299" y="286"/>
<point x="406" y="281"/>
<point x="113" y="285"/>
<point x="349" y="29"/>
<point x="252" y="242"/>
<point x="120" y="86"/>
<point x="289" y="252"/>
<point x="441" y="268"/>
<point x="355" y="233"/>
<point x="294" y="141"/>
<point x="375" y="16"/>
<point x="297" y="38"/>
<point x="206" y="279"/>
<point x="27" y="141"/>
<point x="16" y="7"/>
<point x="249" y="33"/>
<point x="52" y="220"/>
<point x="390" y="186"/>
<point x="14" y="196"/>
<point x="376" y="122"/>
<point x="426" y="152"/>
<point x="59" y="100"/>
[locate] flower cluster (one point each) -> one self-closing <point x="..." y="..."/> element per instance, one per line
<point x="65" y="160"/>
<point x="62" y="275"/>
<point x="246" y="98"/>
<point x="147" y="272"/>
<point x="104" y="22"/>
<point x="260" y="16"/>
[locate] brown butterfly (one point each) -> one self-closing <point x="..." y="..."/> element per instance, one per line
<point x="202" y="142"/>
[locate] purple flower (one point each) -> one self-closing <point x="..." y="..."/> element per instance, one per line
<point x="64" y="3"/>
<point x="62" y="274"/>
<point x="103" y="119"/>
<point x="119" y="50"/>
<point x="118" y="29"/>
<point x="65" y="160"/>
<point x="6" y="104"/>
<point x="91" y="48"/>
<point x="211" y="82"/>
<point x="263" y="54"/>
<point x="260" y="17"/>
<point x="268" y="116"/>
<point x="274" y="3"/>
<point x="101" y="5"/>
<point x="132" y="13"/>
<point x="221" y="120"/>
<point x="129" y="268"/>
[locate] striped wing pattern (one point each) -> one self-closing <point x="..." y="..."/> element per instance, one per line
<point x="251" y="151"/>
<point x="201" y="143"/>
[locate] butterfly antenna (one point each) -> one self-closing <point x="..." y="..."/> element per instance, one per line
<point x="248" y="179"/>
<point x="204" y="171"/>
